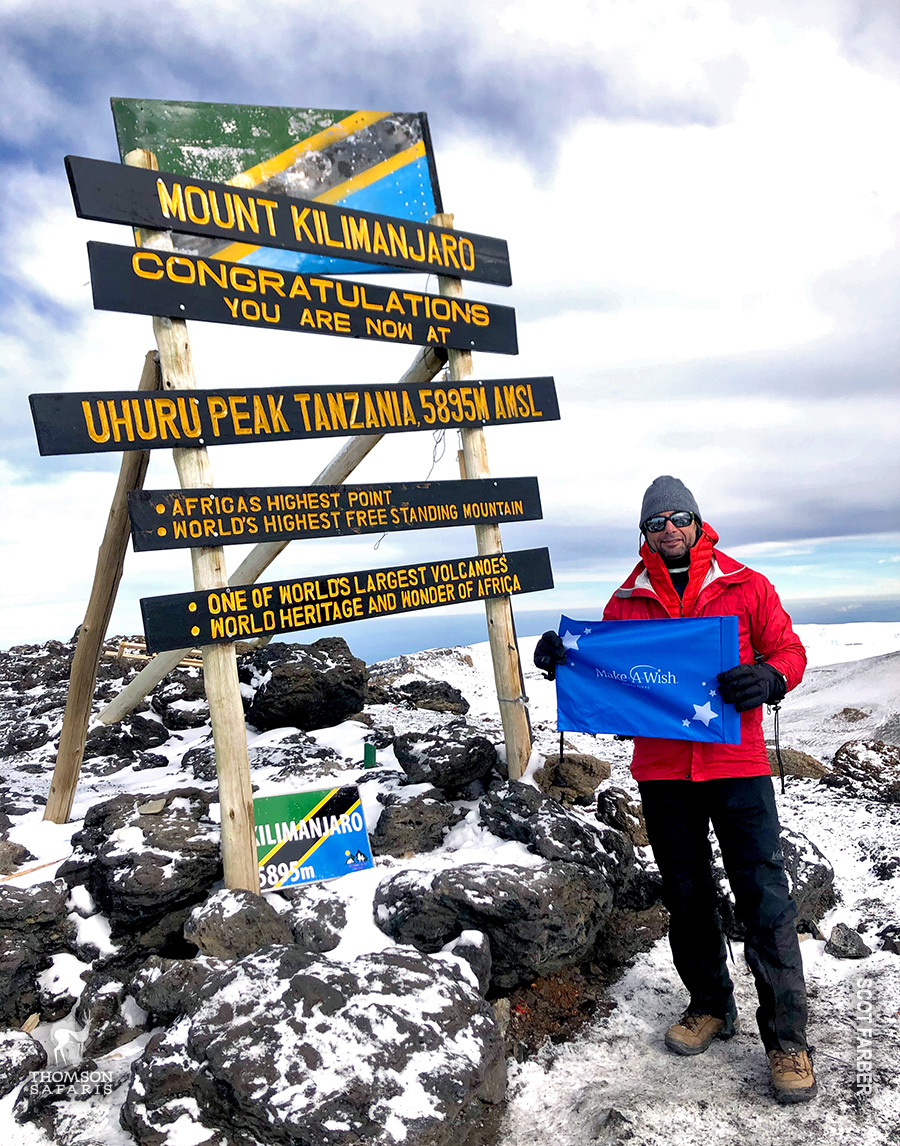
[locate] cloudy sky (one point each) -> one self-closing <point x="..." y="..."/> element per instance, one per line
<point x="701" y="202"/>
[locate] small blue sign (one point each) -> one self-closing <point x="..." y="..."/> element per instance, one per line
<point x="303" y="837"/>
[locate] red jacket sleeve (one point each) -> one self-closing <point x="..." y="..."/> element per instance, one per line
<point x="772" y="634"/>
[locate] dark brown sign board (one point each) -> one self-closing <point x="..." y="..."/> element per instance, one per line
<point x="114" y="193"/>
<point x="210" y="616"/>
<point x="177" y="518"/>
<point x="143" y="281"/>
<point x="89" y="423"/>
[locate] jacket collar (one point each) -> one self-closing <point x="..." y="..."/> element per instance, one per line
<point x="650" y="577"/>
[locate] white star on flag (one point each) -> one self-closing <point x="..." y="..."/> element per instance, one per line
<point x="713" y="692"/>
<point x="705" y="713"/>
<point x="685" y="724"/>
<point x="570" y="640"/>
<point x="587" y="632"/>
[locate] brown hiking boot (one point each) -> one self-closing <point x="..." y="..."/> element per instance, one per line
<point x="792" y="1074"/>
<point x="692" y="1034"/>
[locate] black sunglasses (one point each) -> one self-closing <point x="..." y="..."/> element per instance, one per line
<point x="681" y="520"/>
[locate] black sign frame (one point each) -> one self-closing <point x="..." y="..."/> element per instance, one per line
<point x="114" y="193"/>
<point x="215" y="616"/>
<point x="139" y="280"/>
<point x="179" y="519"/>
<point x="150" y="420"/>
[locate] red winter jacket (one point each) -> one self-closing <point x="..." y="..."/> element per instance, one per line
<point x="718" y="586"/>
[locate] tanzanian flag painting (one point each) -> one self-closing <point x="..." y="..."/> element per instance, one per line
<point x="306" y="836"/>
<point x="377" y="161"/>
<point x="648" y="678"/>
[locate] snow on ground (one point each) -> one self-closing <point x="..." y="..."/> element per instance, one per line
<point x="616" y="1082"/>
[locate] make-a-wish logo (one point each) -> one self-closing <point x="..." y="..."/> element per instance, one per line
<point x="646" y="676"/>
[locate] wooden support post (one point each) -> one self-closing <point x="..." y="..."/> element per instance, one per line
<point x="220" y="675"/>
<point x="107" y="574"/>
<point x="501" y="630"/>
<point x="425" y="366"/>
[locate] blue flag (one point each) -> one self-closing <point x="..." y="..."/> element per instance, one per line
<point x="648" y="678"/>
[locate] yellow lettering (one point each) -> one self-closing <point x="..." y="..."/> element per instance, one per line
<point x="298" y="218"/>
<point x="238" y="417"/>
<point x="141" y="257"/>
<point x="101" y="435"/>
<point x="218" y="409"/>
<point x="204" y="269"/>
<point x="271" y="279"/>
<point x="269" y="205"/>
<point x="191" y="193"/>
<point x="246" y="212"/>
<point x="170" y="203"/>
<point x="228" y="223"/>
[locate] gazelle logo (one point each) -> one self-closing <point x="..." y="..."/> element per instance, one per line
<point x="644" y="676"/>
<point x="68" y="1046"/>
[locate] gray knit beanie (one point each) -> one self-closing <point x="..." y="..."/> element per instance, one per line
<point x="667" y="494"/>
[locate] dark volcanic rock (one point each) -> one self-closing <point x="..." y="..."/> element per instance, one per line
<point x="234" y="923"/>
<point x="810" y="876"/>
<point x="890" y="938"/>
<point x="434" y="696"/>
<point x="109" y="1012"/>
<point x="341" y="1047"/>
<point x="516" y="811"/>
<point x="413" y="825"/>
<point x="19" y="1055"/>
<point x="536" y="919"/>
<point x="867" y="768"/>
<point x="169" y="988"/>
<point x="134" y="734"/>
<point x="574" y="778"/>
<point x="146" y="865"/>
<point x="180" y="701"/>
<point x="475" y="948"/>
<point x="317" y="917"/>
<point x="304" y="686"/>
<point x="616" y="809"/>
<point x="845" y="943"/>
<point x="23" y="735"/>
<point x="12" y="856"/>
<point x="304" y="760"/>
<point x="797" y="764"/>
<point x="449" y="758"/>
<point x="28" y="666"/>
<point x="33" y="926"/>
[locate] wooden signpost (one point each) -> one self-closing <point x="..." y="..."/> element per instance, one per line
<point x="88" y="424"/>
<point x="171" y="285"/>
<point x="167" y="519"/>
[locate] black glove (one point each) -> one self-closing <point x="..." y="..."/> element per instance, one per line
<point x="548" y="653"/>
<point x="749" y="686"/>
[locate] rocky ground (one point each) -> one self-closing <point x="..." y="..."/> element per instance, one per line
<point x="500" y="976"/>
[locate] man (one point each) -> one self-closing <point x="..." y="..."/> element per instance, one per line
<point x="684" y="785"/>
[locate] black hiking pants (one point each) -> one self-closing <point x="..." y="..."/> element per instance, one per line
<point x="743" y="815"/>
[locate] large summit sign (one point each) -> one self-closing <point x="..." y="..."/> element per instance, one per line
<point x="238" y="213"/>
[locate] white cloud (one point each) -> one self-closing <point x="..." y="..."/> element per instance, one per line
<point x="643" y="254"/>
